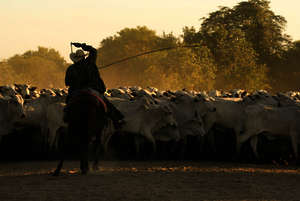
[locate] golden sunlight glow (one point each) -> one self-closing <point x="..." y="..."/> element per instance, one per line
<point x="31" y="23"/>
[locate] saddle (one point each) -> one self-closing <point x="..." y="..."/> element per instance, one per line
<point x="96" y="94"/>
<point x="76" y="96"/>
<point x="111" y="111"/>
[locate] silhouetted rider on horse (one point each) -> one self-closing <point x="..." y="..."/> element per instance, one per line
<point x="83" y="75"/>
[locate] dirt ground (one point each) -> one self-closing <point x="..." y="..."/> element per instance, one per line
<point x="163" y="181"/>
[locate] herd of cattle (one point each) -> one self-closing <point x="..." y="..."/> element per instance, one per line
<point x="160" y="124"/>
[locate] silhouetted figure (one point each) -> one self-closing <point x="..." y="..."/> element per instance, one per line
<point x="83" y="74"/>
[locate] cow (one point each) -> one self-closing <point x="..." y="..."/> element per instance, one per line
<point x="145" y="118"/>
<point x="119" y="93"/>
<point x="46" y="113"/>
<point x="23" y="90"/>
<point x="8" y="91"/>
<point x="11" y="112"/>
<point x="187" y="113"/>
<point x="276" y="121"/>
<point x="228" y="114"/>
<point x="261" y="97"/>
<point x="54" y="120"/>
<point x="285" y="100"/>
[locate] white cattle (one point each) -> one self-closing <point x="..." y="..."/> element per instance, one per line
<point x="228" y="114"/>
<point x="45" y="112"/>
<point x="187" y="114"/>
<point x="261" y="97"/>
<point x="282" y="121"/>
<point x="119" y="93"/>
<point x="54" y="119"/>
<point x="11" y="112"/>
<point x="285" y="100"/>
<point x="144" y="117"/>
<point x="295" y="95"/>
<point x="8" y="91"/>
<point x="239" y="93"/>
<point x="215" y="93"/>
<point x="187" y="111"/>
<point x="23" y="90"/>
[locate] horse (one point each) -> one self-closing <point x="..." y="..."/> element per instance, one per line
<point x="86" y="120"/>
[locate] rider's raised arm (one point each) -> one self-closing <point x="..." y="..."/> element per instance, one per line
<point x="92" y="53"/>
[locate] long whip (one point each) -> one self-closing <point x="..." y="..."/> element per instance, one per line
<point x="148" y="52"/>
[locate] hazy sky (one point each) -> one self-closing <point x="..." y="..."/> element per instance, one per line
<point x="27" y="24"/>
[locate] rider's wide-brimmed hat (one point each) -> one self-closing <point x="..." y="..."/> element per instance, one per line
<point x="77" y="56"/>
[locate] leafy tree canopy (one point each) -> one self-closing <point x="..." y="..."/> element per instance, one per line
<point x="43" y="68"/>
<point x="179" y="68"/>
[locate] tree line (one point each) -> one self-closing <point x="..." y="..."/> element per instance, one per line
<point x="239" y="47"/>
<point x="44" y="68"/>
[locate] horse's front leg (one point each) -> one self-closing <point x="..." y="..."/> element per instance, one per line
<point x="62" y="149"/>
<point x="97" y="146"/>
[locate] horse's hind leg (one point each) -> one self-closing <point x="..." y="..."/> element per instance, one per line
<point x="84" y="153"/>
<point x="97" y="149"/>
<point x="59" y="166"/>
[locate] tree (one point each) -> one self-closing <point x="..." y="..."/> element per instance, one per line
<point x="43" y="68"/>
<point x="50" y="55"/>
<point x="237" y="63"/>
<point x="235" y="59"/>
<point x="176" y="69"/>
<point x="262" y="28"/>
<point x="286" y="76"/>
<point x="6" y="74"/>
<point x="127" y="42"/>
<point x="240" y="42"/>
<point x="182" y="68"/>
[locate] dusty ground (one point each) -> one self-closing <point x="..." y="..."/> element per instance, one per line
<point x="30" y="181"/>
